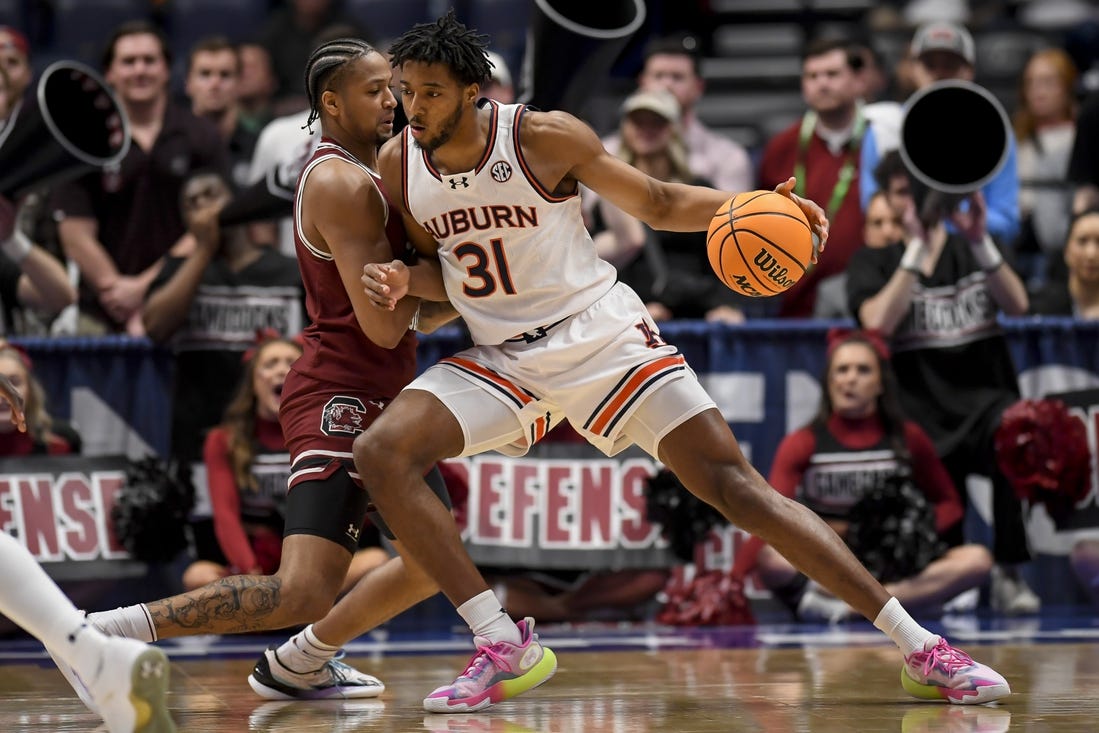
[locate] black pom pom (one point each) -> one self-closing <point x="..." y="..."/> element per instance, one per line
<point x="892" y="530"/>
<point x="150" y="512"/>
<point x="684" y="518"/>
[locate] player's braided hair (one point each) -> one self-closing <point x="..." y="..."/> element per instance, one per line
<point x="447" y="42"/>
<point x="324" y="67"/>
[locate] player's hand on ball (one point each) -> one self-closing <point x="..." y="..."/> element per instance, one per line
<point x="817" y="219"/>
<point x="385" y="282"/>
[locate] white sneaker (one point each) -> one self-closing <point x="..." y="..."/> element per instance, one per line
<point x="816" y="605"/>
<point x="129" y="688"/>
<point x="1012" y="596"/>
<point x="73" y="679"/>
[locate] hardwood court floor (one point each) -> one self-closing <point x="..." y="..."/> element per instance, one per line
<point x="820" y="689"/>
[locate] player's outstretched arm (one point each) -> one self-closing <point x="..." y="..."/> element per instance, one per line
<point x="561" y="148"/>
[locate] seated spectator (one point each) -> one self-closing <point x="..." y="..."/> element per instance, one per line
<point x="940" y="52"/>
<point x="15" y="61"/>
<point x="672" y="64"/>
<point x="1076" y="292"/>
<point x="822" y="151"/>
<point x="1045" y="127"/>
<point x="669" y="270"/>
<point x="859" y="443"/>
<point x="213" y="85"/>
<point x="116" y="225"/>
<point x="881" y="227"/>
<point x="247" y="468"/>
<point x="256" y="88"/>
<point x="208" y="306"/>
<point x="45" y="435"/>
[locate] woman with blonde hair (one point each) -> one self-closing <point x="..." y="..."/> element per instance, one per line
<point x="44" y="434"/>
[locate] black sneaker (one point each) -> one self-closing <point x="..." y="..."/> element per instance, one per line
<point x="334" y="680"/>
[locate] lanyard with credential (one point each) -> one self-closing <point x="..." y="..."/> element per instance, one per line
<point x="847" y="172"/>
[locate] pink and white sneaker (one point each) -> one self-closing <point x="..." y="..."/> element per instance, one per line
<point x="495" y="673"/>
<point x="941" y="672"/>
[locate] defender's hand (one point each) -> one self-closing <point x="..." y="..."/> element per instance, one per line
<point x="385" y="282"/>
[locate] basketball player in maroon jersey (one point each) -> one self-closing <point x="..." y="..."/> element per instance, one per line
<point x="492" y="191"/>
<point x="356" y="359"/>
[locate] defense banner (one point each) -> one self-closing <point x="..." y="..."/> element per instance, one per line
<point x="59" y="508"/>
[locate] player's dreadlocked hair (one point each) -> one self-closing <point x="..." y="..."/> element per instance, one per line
<point x="324" y="67"/>
<point x="447" y="42"/>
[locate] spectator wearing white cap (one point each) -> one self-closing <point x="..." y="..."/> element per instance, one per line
<point x="943" y="51"/>
<point x="499" y="86"/>
<point x="669" y="270"/>
<point x="672" y="64"/>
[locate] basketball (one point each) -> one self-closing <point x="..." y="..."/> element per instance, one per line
<point x="759" y="243"/>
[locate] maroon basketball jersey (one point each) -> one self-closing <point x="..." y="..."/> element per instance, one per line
<point x="337" y="352"/>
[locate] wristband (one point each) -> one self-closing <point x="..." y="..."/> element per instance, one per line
<point x="987" y="255"/>
<point x="414" y="324"/>
<point x="913" y="256"/>
<point x="17" y="246"/>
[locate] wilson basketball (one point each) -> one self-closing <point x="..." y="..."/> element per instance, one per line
<point x="759" y="243"/>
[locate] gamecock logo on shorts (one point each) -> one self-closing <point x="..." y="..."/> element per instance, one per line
<point x="343" y="416"/>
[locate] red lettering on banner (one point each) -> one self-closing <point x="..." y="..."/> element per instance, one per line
<point x="597" y="481"/>
<point x="39" y="522"/>
<point x="636" y="529"/>
<point x="560" y="517"/>
<point x="524" y="503"/>
<point x="487" y="524"/>
<point x="80" y="524"/>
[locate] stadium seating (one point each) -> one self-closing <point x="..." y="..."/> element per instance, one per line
<point x="81" y="27"/>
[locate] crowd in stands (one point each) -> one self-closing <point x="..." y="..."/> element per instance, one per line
<point x="118" y="250"/>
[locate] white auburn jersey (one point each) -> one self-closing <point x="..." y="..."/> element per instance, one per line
<point x="514" y="256"/>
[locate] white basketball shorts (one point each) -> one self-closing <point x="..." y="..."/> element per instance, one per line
<point x="606" y="369"/>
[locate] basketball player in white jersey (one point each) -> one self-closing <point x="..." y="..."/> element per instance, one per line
<point x="491" y="191"/>
<point x="125" y="679"/>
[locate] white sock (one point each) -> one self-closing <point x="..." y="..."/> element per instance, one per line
<point x="901" y="628"/>
<point x="487" y="620"/>
<point x="304" y="652"/>
<point x="133" y="622"/>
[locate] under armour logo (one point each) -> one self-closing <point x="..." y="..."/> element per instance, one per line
<point x="538" y="333"/>
<point x="353" y="532"/>
<point x="652" y="338"/>
<point x="455" y="182"/>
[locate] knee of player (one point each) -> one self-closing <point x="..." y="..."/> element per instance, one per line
<point x="305" y="600"/>
<point x="368" y="452"/>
